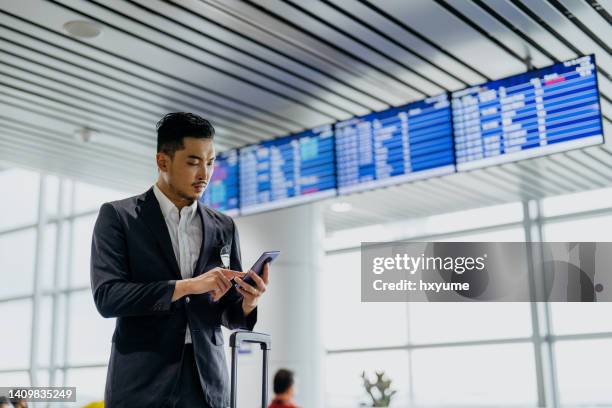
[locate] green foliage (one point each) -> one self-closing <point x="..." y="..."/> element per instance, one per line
<point x="380" y="390"/>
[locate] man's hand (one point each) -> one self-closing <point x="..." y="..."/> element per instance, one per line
<point x="251" y="294"/>
<point x="216" y="280"/>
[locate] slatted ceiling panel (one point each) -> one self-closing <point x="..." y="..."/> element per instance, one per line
<point x="523" y="182"/>
<point x="574" y="173"/>
<point x="92" y="90"/>
<point x="18" y="107"/>
<point x="21" y="99"/>
<point x="209" y="23"/>
<point x="34" y="156"/>
<point x="451" y="71"/>
<point x="223" y="60"/>
<point x="594" y="163"/>
<point x="266" y="68"/>
<point x="228" y="56"/>
<point x="344" y="31"/>
<point x="456" y="35"/>
<point x="496" y="190"/>
<point x="174" y="84"/>
<point x="300" y="34"/>
<point x="510" y="182"/>
<point x="61" y="92"/>
<point x="589" y="16"/>
<point x="235" y="130"/>
<point x="523" y="185"/>
<point x="193" y="32"/>
<point x="252" y="26"/>
<point x="395" y="202"/>
<point x="584" y="34"/>
<point x="32" y="124"/>
<point x="487" y="19"/>
<point x="589" y="166"/>
<point x="135" y="42"/>
<point x="603" y="7"/>
<point x="356" y="20"/>
<point x="42" y="135"/>
<point x="600" y="156"/>
<point x="57" y="149"/>
<point x="45" y="65"/>
<point x="535" y="38"/>
<point x="119" y="152"/>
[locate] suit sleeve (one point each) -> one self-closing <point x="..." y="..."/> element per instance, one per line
<point x="233" y="316"/>
<point x="114" y="294"/>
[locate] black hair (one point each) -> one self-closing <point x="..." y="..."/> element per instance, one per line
<point x="4" y="400"/>
<point x="173" y="127"/>
<point x="283" y="380"/>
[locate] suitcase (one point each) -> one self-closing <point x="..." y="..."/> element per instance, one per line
<point x="265" y="341"/>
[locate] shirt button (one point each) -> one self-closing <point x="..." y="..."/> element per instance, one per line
<point x="187" y="300"/>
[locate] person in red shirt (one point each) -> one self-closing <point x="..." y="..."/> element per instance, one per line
<point x="283" y="389"/>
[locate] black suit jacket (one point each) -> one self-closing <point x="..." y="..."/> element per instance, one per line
<point x="133" y="275"/>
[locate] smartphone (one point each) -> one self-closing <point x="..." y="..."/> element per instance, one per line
<point x="258" y="266"/>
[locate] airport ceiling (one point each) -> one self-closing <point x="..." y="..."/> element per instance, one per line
<point x="259" y="70"/>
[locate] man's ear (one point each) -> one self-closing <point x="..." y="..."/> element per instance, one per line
<point x="163" y="161"/>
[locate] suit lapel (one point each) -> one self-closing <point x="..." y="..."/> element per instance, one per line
<point x="207" y="240"/>
<point x="154" y="219"/>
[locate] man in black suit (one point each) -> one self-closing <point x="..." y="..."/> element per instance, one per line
<point x="156" y="267"/>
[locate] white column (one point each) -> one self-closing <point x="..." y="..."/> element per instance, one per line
<point x="37" y="290"/>
<point x="289" y="311"/>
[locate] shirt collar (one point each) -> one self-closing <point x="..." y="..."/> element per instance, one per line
<point x="168" y="207"/>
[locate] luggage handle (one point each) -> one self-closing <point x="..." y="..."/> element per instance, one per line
<point x="265" y="341"/>
<point x="243" y="336"/>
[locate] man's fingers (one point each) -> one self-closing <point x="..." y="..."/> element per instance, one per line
<point x="221" y="282"/>
<point x="220" y="285"/>
<point x="243" y="292"/>
<point x="266" y="273"/>
<point x="250" y="289"/>
<point x="230" y="274"/>
<point x="226" y="282"/>
<point x="258" y="281"/>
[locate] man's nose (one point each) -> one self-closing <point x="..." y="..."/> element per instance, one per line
<point x="202" y="173"/>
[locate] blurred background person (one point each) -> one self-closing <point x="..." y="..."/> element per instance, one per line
<point x="284" y="389"/>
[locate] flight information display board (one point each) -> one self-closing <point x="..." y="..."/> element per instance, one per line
<point x="222" y="191"/>
<point x="286" y="171"/>
<point x="394" y="146"/>
<point x="540" y="112"/>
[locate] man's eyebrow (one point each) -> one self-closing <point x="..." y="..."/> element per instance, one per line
<point x="194" y="157"/>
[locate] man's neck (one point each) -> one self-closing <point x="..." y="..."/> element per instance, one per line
<point x="283" y="397"/>
<point x="178" y="201"/>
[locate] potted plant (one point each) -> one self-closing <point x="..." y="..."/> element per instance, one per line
<point x="380" y="390"/>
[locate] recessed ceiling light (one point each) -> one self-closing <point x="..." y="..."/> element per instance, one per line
<point x="341" y="207"/>
<point x="83" y="29"/>
<point x="85" y="134"/>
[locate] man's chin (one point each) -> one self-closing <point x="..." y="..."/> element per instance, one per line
<point x="198" y="195"/>
<point x="192" y="196"/>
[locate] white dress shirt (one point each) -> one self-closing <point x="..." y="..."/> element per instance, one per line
<point x="186" y="235"/>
